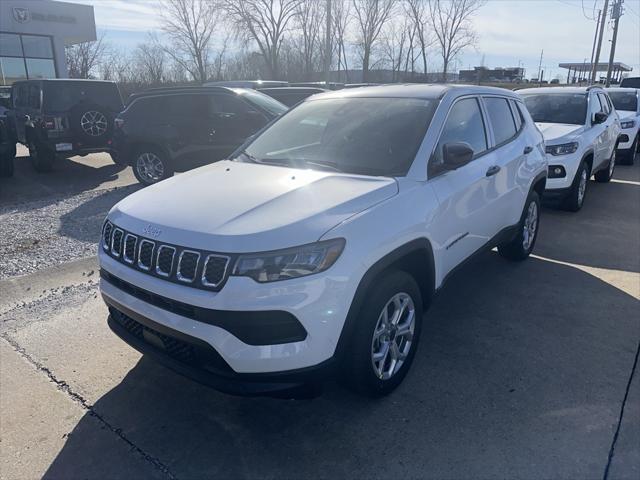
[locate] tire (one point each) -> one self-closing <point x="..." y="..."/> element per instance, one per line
<point x="606" y="174"/>
<point x="392" y="289"/>
<point x="6" y="165"/>
<point x="143" y="161"/>
<point x="578" y="192"/>
<point x="522" y="244"/>
<point x="91" y="123"/>
<point x="630" y="155"/>
<point x="42" y="158"/>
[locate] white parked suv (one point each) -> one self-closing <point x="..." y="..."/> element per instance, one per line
<point x="317" y="247"/>
<point x="581" y="130"/>
<point x="627" y="103"/>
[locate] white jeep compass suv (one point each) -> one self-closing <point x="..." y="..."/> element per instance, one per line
<point x="627" y="103"/>
<point x="316" y="248"/>
<point x="581" y="130"/>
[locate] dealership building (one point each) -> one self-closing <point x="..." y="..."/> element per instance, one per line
<point x="34" y="34"/>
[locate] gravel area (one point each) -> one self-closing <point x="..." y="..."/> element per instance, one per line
<point x="43" y="233"/>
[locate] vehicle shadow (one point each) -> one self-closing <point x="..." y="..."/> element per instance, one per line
<point x="69" y="177"/>
<point x="601" y="234"/>
<point x="520" y="374"/>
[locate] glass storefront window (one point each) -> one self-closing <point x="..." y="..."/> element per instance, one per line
<point x="10" y="45"/>
<point x="12" y="70"/>
<point x="39" y="47"/>
<point x="40" y="68"/>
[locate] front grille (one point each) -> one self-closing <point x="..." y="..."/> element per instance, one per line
<point x="186" y="266"/>
<point x="164" y="264"/>
<point x="129" y="253"/>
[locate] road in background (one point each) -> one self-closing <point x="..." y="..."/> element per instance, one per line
<point x="524" y="370"/>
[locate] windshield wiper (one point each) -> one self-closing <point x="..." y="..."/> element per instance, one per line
<point x="323" y="163"/>
<point x="251" y="158"/>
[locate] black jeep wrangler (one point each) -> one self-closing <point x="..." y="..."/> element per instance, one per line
<point x="64" y="118"/>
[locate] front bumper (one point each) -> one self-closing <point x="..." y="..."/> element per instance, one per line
<point x="631" y="133"/>
<point x="198" y="361"/>
<point x="570" y="163"/>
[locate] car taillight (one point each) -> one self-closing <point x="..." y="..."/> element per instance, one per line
<point x="118" y="122"/>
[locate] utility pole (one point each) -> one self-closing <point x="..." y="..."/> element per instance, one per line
<point x="616" y="13"/>
<point x="603" y="21"/>
<point x="327" y="47"/>
<point x="593" y="49"/>
<point x="540" y="68"/>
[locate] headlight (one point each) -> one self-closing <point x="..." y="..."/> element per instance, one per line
<point x="289" y="263"/>
<point x="628" y="124"/>
<point x="564" y="149"/>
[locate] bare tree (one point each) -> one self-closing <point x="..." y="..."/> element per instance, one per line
<point x="116" y="66"/>
<point x="453" y="29"/>
<point x="310" y="15"/>
<point x="371" y="16"/>
<point x="84" y="58"/>
<point x="150" y="60"/>
<point x="264" y="22"/>
<point x="394" y="46"/>
<point x="189" y="25"/>
<point x="341" y="20"/>
<point x="418" y="13"/>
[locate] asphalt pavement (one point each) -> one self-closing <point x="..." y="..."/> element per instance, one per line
<point x="525" y="370"/>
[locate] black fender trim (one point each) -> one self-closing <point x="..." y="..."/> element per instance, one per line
<point x="417" y="246"/>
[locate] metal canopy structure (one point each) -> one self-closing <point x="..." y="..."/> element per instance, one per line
<point x="579" y="72"/>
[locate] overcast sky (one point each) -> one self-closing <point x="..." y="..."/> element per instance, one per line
<point x="512" y="32"/>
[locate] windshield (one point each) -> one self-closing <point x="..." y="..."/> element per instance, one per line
<point x="568" y="108"/>
<point x="624" y="100"/>
<point x="61" y="96"/>
<point x="265" y="102"/>
<point x="367" y="136"/>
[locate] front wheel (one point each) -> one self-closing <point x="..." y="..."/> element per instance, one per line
<point x="150" y="166"/>
<point x="42" y="158"/>
<point x="522" y="244"/>
<point x="629" y="156"/>
<point x="606" y="174"/>
<point x="578" y="191"/>
<point x="386" y="337"/>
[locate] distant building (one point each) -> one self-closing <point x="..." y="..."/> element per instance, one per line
<point x="497" y="75"/>
<point x="34" y="34"/>
<point x="580" y="72"/>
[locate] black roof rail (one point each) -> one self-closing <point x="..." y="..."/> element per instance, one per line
<point x="166" y="90"/>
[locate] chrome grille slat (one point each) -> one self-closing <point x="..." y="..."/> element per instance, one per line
<point x="107" y="230"/>
<point x="129" y="250"/>
<point x="116" y="242"/>
<point x="187" y="256"/>
<point x="213" y="279"/>
<point x="161" y="259"/>
<point x="142" y="254"/>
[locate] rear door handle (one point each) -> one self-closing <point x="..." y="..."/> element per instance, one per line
<point x="493" y="170"/>
<point x="528" y="150"/>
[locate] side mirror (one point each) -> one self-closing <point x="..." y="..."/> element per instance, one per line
<point x="456" y="155"/>
<point x="599" y="117"/>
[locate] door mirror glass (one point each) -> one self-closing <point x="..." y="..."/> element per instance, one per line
<point x="599" y="117"/>
<point x="456" y="155"/>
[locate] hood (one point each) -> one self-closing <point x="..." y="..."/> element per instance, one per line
<point x="244" y="207"/>
<point x="557" y="131"/>
<point x="626" y="114"/>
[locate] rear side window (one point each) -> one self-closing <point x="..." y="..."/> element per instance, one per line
<point x="517" y="114"/>
<point x="501" y="118"/>
<point x="195" y="106"/>
<point x="221" y="104"/>
<point x="63" y="96"/>
<point x="624" y="100"/>
<point x="34" y="96"/>
<point x="464" y="124"/>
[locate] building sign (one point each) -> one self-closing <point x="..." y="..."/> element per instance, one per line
<point x="23" y="15"/>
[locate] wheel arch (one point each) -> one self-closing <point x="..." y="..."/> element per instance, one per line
<point x="140" y="145"/>
<point x="416" y="258"/>
<point x="588" y="157"/>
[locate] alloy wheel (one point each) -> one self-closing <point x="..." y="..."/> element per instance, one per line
<point x="612" y="164"/>
<point x="93" y="123"/>
<point x="393" y="336"/>
<point x="582" y="186"/>
<point x="149" y="167"/>
<point x="530" y="226"/>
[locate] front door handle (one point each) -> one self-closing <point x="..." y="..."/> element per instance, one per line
<point x="528" y="150"/>
<point x="493" y="170"/>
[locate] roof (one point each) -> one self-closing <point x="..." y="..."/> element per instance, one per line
<point x="552" y="90"/>
<point x="293" y="89"/>
<point x="247" y="83"/>
<point x="601" y="67"/>
<point x="414" y="90"/>
<point x="624" y="89"/>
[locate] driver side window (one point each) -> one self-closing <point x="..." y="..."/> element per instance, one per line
<point x="595" y="106"/>
<point x="464" y="124"/>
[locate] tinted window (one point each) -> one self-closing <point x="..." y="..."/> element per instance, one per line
<point x="624" y="100"/>
<point x="517" y="114"/>
<point x="39" y="47"/>
<point x="595" y="106"/>
<point x="501" y="119"/>
<point x="228" y="104"/>
<point x="12" y="69"/>
<point x="606" y="108"/>
<point x="34" y="96"/>
<point x="570" y="108"/>
<point x="464" y="124"/>
<point x="63" y="95"/>
<point x="633" y="82"/>
<point x="368" y="136"/>
<point x="20" y="94"/>
<point x="40" y="68"/>
<point x="10" y="45"/>
<point x="194" y="106"/>
<point x="264" y="102"/>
